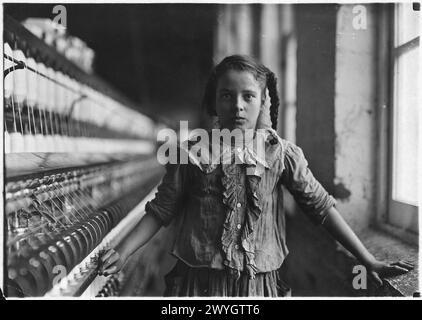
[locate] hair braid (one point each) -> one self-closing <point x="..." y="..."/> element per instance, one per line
<point x="275" y="100"/>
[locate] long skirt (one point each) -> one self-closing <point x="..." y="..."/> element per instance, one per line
<point x="185" y="281"/>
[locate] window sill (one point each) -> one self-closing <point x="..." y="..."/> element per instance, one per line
<point x="386" y="247"/>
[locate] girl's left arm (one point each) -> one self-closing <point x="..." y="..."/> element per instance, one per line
<point x="340" y="230"/>
<point x="318" y="205"/>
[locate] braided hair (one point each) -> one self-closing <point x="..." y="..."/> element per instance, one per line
<point x="243" y="63"/>
<point x="275" y="100"/>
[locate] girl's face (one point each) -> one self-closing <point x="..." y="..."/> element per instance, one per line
<point x="238" y="100"/>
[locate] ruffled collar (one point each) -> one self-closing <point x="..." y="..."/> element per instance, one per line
<point x="256" y="153"/>
<point x="257" y="158"/>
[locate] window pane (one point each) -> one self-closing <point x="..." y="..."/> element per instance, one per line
<point x="407" y="23"/>
<point x="405" y="162"/>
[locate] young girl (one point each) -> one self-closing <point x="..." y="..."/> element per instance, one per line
<point x="231" y="224"/>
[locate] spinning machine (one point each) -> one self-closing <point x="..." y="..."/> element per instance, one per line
<point x="80" y="163"/>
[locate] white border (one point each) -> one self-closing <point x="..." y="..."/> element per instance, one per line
<point x="207" y="298"/>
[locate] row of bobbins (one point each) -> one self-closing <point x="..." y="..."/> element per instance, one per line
<point x="47" y="110"/>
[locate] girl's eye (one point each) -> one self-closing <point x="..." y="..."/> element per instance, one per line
<point x="248" y="97"/>
<point x="226" y="96"/>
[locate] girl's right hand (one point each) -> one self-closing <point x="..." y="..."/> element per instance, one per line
<point x="110" y="262"/>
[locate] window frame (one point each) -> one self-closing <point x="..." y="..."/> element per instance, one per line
<point x="385" y="120"/>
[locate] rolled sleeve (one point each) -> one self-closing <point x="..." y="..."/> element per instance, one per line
<point x="309" y="194"/>
<point x="167" y="200"/>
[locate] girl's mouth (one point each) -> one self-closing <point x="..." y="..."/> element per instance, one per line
<point x="239" y="119"/>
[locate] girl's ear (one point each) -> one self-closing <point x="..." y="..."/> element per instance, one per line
<point x="266" y="101"/>
<point x="264" y="118"/>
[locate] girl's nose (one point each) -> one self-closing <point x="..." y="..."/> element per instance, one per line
<point x="238" y="104"/>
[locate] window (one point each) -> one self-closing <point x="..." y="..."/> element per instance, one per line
<point x="404" y="162"/>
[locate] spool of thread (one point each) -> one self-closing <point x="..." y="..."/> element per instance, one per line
<point x="32" y="83"/>
<point x="31" y="142"/>
<point x="8" y="80"/>
<point x="7" y="143"/>
<point x="17" y="144"/>
<point x="40" y="143"/>
<point x="19" y="79"/>
<point x="44" y="142"/>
